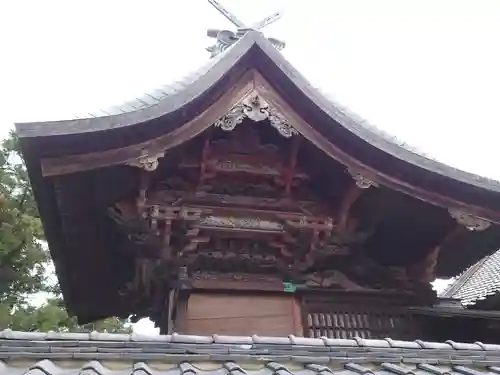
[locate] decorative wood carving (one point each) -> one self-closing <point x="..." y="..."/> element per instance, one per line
<point x="240" y="223"/>
<point x="316" y="250"/>
<point x="147" y="161"/>
<point x="331" y="279"/>
<point x="361" y="180"/>
<point x="234" y="276"/>
<point x="256" y="109"/>
<point x="469" y="221"/>
<point x="355" y="270"/>
<point x="168" y="197"/>
<point x="237" y="255"/>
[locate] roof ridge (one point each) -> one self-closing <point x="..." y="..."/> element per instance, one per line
<point x="243" y="342"/>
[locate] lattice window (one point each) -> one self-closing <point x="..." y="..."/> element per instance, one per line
<point x="371" y="320"/>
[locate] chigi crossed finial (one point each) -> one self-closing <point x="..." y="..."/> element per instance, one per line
<point x="226" y="38"/>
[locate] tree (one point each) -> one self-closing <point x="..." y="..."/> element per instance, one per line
<point x="24" y="260"/>
<point x="52" y="316"/>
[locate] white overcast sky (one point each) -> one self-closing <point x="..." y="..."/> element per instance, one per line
<point x="427" y="71"/>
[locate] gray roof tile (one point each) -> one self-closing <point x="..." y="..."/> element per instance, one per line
<point x="478" y="282"/>
<point x="95" y="353"/>
<point x="158" y="94"/>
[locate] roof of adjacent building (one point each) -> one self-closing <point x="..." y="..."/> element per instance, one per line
<point x="120" y="354"/>
<point x="478" y="282"/>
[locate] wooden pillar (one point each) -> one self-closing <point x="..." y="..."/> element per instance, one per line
<point x="181" y="312"/>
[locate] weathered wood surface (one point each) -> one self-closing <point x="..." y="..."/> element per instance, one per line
<point x="344" y="316"/>
<point x="271" y="315"/>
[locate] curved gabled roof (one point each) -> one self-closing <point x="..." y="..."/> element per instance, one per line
<point x="155" y="96"/>
<point x="176" y="97"/>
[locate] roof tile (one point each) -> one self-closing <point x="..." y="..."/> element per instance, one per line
<point x="492" y="347"/>
<point x="432" y="369"/>
<point x="271" y="340"/>
<point x="94" y="366"/>
<point x="477" y="282"/>
<point x="464" y="346"/>
<point x="466" y="370"/>
<point x="433" y="345"/>
<point x="233" y="368"/>
<point x="278" y="368"/>
<point x="358" y="368"/>
<point x="231" y="355"/>
<point x="318" y="368"/>
<point x="372" y="343"/>
<point x="220" y="339"/>
<point x="403" y="344"/>
<point x="187" y="369"/>
<point x="157" y="338"/>
<point x="311" y="359"/>
<point x="308" y="341"/>
<point x="340" y="342"/>
<point x="191" y="339"/>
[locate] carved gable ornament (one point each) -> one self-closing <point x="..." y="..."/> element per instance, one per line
<point x="361" y="180"/>
<point x="257" y="109"/>
<point x="469" y="221"/>
<point x="147" y="161"/>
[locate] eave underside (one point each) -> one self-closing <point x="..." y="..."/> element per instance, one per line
<point x="93" y="246"/>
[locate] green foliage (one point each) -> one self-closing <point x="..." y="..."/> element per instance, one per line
<point x="24" y="262"/>
<point x="23" y="259"/>
<point x="52" y="316"/>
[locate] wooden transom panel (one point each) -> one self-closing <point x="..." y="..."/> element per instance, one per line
<point x="222" y="314"/>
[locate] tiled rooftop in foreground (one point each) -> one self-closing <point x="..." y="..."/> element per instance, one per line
<point x="103" y="353"/>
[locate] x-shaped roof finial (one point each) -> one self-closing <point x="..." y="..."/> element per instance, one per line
<point x="226" y="38"/>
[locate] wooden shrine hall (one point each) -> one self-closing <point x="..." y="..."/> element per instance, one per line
<point x="241" y="201"/>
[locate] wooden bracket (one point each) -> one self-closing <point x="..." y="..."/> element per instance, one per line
<point x="350" y="197"/>
<point x="425" y="271"/>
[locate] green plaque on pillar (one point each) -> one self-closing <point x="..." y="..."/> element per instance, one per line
<point x="289" y="287"/>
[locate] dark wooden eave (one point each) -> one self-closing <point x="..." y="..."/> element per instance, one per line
<point x="67" y="147"/>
